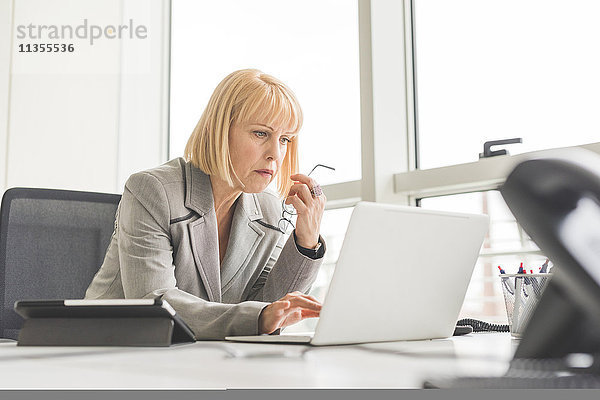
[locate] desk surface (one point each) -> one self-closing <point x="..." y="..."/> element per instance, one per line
<point x="213" y="365"/>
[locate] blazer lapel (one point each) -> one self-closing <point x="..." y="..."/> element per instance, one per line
<point x="203" y="231"/>
<point x="244" y="238"/>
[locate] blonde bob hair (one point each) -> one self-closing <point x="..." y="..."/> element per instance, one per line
<point x="247" y="95"/>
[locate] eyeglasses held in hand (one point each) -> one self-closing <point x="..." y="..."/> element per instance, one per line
<point x="288" y="210"/>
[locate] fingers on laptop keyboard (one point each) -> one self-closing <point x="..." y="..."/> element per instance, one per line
<point x="298" y="299"/>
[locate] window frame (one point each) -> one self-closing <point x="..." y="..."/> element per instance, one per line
<point x="409" y="182"/>
<point x="482" y="175"/>
<point x="387" y="142"/>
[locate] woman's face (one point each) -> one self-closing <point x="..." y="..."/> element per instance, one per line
<point x="257" y="151"/>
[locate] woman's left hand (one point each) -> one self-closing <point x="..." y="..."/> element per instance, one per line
<point x="309" y="209"/>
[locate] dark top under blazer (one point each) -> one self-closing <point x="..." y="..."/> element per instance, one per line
<point x="165" y="245"/>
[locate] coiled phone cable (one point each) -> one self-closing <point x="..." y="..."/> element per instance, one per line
<point x="481" y="326"/>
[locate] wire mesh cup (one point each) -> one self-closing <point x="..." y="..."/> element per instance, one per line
<point x="521" y="295"/>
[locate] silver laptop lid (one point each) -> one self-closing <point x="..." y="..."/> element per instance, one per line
<point x="402" y="274"/>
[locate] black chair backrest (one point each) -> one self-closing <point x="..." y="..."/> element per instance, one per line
<point x="52" y="242"/>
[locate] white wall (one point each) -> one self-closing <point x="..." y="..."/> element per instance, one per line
<point x="73" y="116"/>
<point x="5" y="24"/>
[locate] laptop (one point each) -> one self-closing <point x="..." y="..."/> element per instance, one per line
<point x="402" y="274"/>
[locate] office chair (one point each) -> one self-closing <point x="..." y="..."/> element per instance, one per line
<point x="52" y="242"/>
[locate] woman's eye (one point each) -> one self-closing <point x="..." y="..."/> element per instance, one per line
<point x="260" y="133"/>
<point x="285" y="140"/>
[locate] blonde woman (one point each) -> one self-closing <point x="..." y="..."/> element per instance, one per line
<point x="202" y="232"/>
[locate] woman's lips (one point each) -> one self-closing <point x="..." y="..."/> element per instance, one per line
<point x="265" y="172"/>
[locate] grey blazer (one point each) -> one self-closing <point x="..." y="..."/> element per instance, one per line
<point x="165" y="244"/>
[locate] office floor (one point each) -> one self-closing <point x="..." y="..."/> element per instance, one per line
<point x="212" y="365"/>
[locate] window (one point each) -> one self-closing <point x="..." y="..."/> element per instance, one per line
<point x="498" y="69"/>
<point x="311" y="46"/>
<point x="505" y="245"/>
<point x="333" y="230"/>
<point x="487" y="70"/>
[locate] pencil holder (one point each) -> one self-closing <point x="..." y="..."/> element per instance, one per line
<point x="521" y="295"/>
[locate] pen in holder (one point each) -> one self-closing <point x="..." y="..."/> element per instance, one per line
<point x="521" y="295"/>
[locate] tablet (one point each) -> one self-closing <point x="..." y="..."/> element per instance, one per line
<point x="111" y="308"/>
<point x="115" y="312"/>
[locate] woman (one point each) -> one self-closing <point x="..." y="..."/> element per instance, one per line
<point x="202" y="232"/>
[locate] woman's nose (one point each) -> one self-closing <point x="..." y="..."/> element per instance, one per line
<point x="274" y="150"/>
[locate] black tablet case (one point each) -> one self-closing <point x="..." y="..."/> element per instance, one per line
<point x="51" y="323"/>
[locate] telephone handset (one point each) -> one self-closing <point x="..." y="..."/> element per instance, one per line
<point x="557" y="202"/>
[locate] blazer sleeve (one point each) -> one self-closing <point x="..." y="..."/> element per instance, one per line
<point x="287" y="271"/>
<point x="147" y="271"/>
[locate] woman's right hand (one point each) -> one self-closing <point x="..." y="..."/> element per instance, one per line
<point x="290" y="309"/>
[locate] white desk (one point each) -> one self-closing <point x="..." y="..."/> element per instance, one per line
<point x="240" y="365"/>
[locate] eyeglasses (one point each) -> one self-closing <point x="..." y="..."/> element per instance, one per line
<point x="288" y="210"/>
